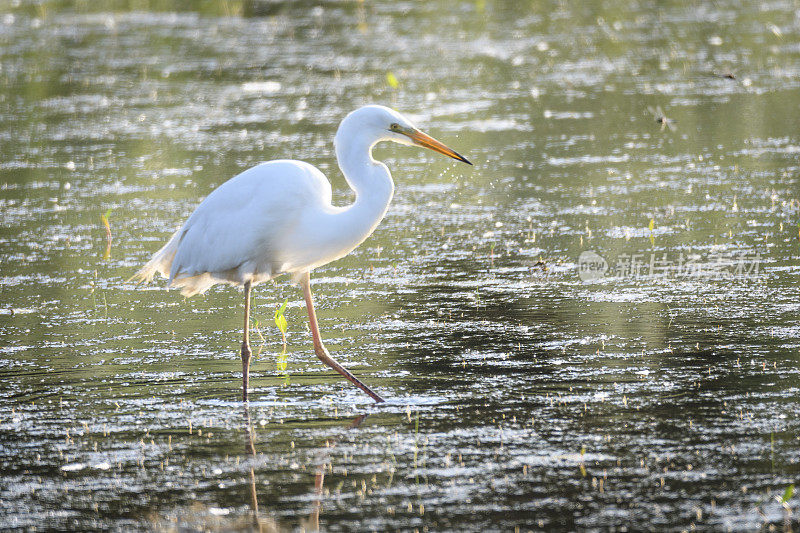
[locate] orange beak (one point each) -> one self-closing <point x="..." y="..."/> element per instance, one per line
<point x="426" y="141"/>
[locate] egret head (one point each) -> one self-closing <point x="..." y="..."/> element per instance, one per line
<point x="384" y="124"/>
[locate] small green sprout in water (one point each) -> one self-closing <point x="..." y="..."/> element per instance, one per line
<point x="491" y="252"/>
<point x="392" y="81"/>
<point x="283" y="326"/>
<point x="787" y="494"/>
<point x="582" y="465"/>
<point x="107" y="226"/>
<point x="280" y="321"/>
<point x="652" y="225"/>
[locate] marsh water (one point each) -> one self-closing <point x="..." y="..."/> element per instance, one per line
<point x="595" y="327"/>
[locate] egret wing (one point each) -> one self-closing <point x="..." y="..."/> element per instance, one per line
<point x="237" y="230"/>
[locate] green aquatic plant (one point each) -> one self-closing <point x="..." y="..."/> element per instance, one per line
<point x="107" y="226"/>
<point x="392" y="80"/>
<point x="283" y="326"/>
<point x="582" y="465"/>
<point x="280" y="321"/>
<point x="788" y="493"/>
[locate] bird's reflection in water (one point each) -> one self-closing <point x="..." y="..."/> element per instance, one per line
<point x="251" y="449"/>
<point x="265" y="524"/>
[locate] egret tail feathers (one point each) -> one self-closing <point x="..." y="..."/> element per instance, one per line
<point x="160" y="262"/>
<point x="198" y="284"/>
<point x="196" y="281"/>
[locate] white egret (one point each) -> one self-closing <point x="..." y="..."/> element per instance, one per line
<point x="277" y="218"/>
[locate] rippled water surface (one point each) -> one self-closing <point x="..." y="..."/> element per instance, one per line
<point x="595" y="327"/>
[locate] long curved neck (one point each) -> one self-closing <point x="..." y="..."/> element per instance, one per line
<point x="369" y="179"/>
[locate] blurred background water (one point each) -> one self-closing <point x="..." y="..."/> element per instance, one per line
<point x="658" y="139"/>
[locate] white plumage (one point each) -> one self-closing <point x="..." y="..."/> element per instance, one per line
<point x="253" y="227"/>
<point x="277" y="218"/>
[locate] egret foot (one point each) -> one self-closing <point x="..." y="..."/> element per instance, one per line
<point x="326" y="358"/>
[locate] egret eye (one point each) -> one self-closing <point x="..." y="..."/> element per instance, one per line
<point x="394" y="127"/>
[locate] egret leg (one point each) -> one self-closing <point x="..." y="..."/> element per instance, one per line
<point x="246" y="353"/>
<point x="320" y="349"/>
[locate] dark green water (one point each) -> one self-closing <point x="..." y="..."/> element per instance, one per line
<point x="662" y="395"/>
